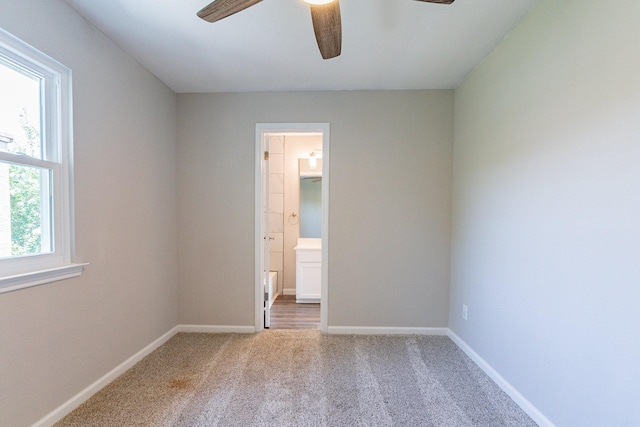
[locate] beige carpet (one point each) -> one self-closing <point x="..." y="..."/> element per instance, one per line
<point x="301" y="378"/>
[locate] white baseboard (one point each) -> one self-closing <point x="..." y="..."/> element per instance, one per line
<point x="514" y="394"/>
<point x="367" y="330"/>
<point x="289" y="291"/>
<point x="71" y="404"/>
<point x="307" y="300"/>
<point x="212" y="329"/>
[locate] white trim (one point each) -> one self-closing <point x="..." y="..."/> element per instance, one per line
<point x="259" y="262"/>
<point x="514" y="394"/>
<point x="22" y="160"/>
<point x="307" y="301"/>
<point x="289" y="291"/>
<point x="382" y="330"/>
<point x="57" y="123"/>
<point x="71" y="404"/>
<point x="214" y="329"/>
<point x="299" y="129"/>
<point x="41" y="277"/>
<point x="324" y="290"/>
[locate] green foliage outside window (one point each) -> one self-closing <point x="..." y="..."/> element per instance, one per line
<point x="24" y="184"/>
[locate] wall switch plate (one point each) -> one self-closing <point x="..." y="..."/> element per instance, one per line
<point x="464" y="311"/>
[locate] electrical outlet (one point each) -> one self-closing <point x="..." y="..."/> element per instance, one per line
<point x="464" y="311"/>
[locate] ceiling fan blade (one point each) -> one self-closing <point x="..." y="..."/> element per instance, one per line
<point x="328" y="28"/>
<point x="437" y="1"/>
<point x="222" y="8"/>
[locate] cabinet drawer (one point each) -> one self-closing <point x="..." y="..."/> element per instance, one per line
<point x="308" y="256"/>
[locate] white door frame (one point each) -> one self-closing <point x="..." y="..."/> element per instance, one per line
<point x="263" y="129"/>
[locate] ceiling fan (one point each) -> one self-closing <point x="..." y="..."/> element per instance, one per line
<point x="325" y="15"/>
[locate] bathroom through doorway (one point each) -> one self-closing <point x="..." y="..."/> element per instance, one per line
<point x="292" y="188"/>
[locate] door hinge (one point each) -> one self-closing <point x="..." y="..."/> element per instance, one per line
<point x="266" y="155"/>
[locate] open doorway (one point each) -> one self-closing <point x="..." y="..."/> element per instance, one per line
<point x="291" y="269"/>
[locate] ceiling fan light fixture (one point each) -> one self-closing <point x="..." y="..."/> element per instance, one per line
<point x="325" y="16"/>
<point x="313" y="161"/>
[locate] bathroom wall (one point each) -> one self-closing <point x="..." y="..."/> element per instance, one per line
<point x="276" y="206"/>
<point x="284" y="197"/>
<point x="296" y="147"/>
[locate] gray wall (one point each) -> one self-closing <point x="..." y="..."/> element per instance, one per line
<point x="389" y="203"/>
<point x="58" y="338"/>
<point x="546" y="235"/>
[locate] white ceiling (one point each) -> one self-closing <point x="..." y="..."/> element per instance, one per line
<point x="386" y="44"/>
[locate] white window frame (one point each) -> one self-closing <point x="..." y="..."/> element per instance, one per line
<point x="26" y="271"/>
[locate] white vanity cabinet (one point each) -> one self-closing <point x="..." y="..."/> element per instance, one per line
<point x="308" y="270"/>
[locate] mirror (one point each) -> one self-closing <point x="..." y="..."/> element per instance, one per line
<point x="310" y="199"/>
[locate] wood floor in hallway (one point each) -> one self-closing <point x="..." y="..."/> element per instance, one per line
<point x="287" y="314"/>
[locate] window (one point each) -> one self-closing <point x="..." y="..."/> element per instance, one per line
<point x="35" y="168"/>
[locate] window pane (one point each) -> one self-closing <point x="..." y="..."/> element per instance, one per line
<point x="19" y="111"/>
<point x="25" y="211"/>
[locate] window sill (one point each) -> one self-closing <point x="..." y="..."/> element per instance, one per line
<point x="41" y="277"/>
